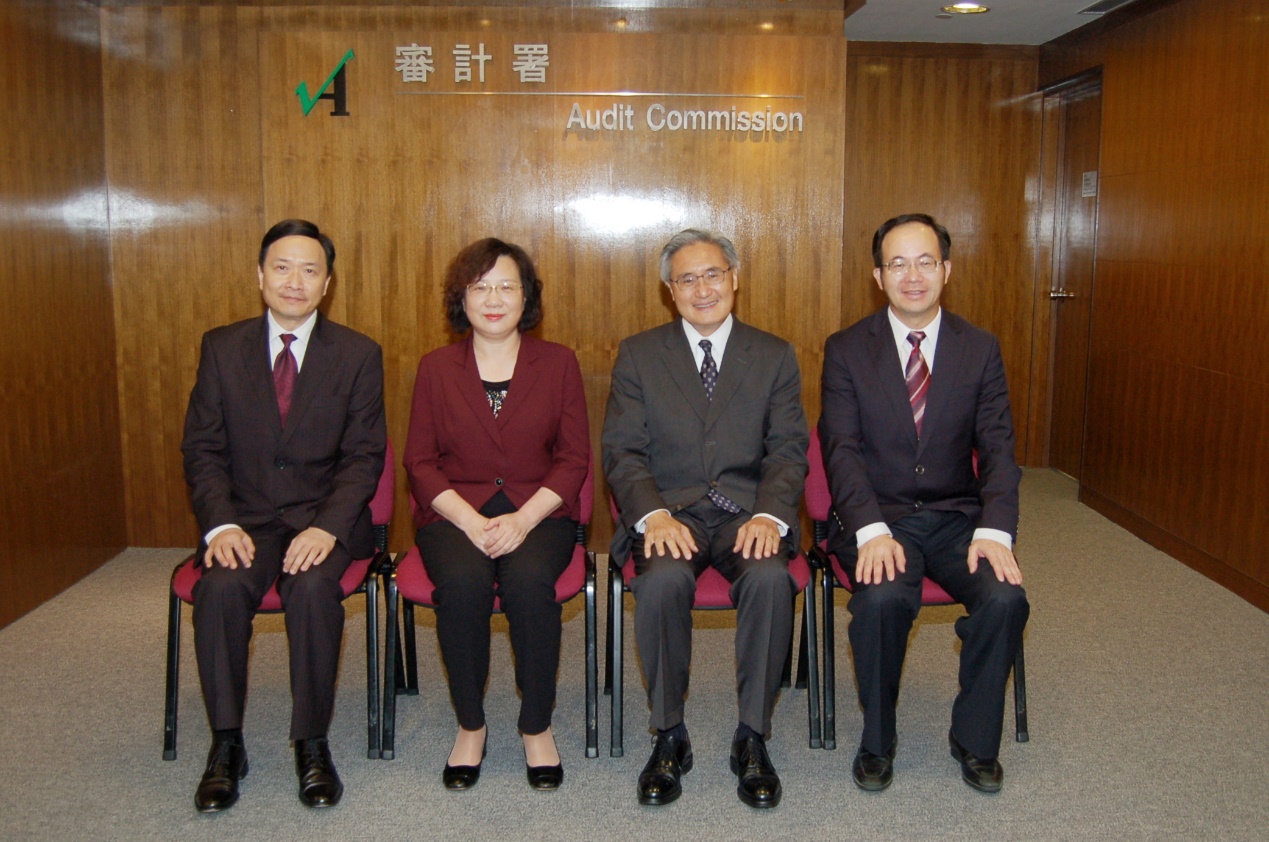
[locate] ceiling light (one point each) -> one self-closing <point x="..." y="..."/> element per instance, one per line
<point x="966" y="9"/>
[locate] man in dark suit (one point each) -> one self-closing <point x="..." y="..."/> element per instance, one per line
<point x="284" y="444"/>
<point x="910" y="395"/>
<point x="705" y="452"/>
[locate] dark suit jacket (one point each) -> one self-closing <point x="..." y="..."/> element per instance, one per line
<point x="322" y="469"/>
<point x="541" y="436"/>
<point x="665" y="444"/>
<point x="877" y="470"/>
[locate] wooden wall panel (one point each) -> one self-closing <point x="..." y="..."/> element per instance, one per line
<point x="61" y="504"/>
<point x="1178" y="387"/>
<point x="953" y="131"/>
<point x="204" y="129"/>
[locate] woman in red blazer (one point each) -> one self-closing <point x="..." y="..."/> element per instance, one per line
<point x="497" y="452"/>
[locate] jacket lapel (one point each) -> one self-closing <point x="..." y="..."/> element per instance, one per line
<point x="258" y="366"/>
<point x="681" y="366"/>
<point x="732" y="373"/>
<point x="522" y="383"/>
<point x="950" y="351"/>
<point x="890" y="375"/>
<point x="473" y="391"/>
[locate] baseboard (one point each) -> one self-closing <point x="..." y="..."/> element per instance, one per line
<point x="1255" y="592"/>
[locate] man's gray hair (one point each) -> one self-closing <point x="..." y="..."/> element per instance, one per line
<point x="696" y="235"/>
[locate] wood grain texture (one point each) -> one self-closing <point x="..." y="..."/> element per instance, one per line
<point x="222" y="147"/>
<point x="61" y="502"/>
<point x="1178" y="389"/>
<point x="955" y="132"/>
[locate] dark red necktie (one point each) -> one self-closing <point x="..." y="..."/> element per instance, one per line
<point x="917" y="375"/>
<point x="285" y="370"/>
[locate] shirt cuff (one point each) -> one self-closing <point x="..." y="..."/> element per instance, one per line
<point x="781" y="525"/>
<point x="872" y="530"/>
<point x="642" y="525"/>
<point x="994" y="535"/>
<point x="207" y="539"/>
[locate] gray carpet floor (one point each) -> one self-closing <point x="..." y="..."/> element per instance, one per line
<point x="1147" y="687"/>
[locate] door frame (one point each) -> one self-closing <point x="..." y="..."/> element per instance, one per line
<point x="1047" y="222"/>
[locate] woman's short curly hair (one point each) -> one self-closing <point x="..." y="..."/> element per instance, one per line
<point x="470" y="264"/>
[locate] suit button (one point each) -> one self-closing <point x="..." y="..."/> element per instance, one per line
<point x="713" y="484"/>
<point x="920" y="469"/>
<point x="280" y="464"/>
<point x="498" y="481"/>
<point x="917" y="504"/>
<point x="709" y="444"/>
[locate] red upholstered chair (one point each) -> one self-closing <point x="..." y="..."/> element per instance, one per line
<point x="360" y="577"/>
<point x="819" y="503"/>
<point x="713" y="592"/>
<point x="408" y="580"/>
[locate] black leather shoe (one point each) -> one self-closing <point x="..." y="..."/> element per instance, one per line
<point x="320" y="785"/>
<point x="982" y="775"/>
<point x="659" y="780"/>
<point x="226" y="765"/>
<point x="465" y="777"/>
<point x="545" y="777"/>
<point x="757" y="783"/>
<point x="874" y="772"/>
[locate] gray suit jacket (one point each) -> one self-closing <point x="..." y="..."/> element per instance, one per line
<point x="321" y="470"/>
<point x="665" y="444"/>
<point x="877" y="468"/>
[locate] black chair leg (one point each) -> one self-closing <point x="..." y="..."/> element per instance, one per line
<point x="388" y="719"/>
<point x="374" y="731"/>
<point x="608" y="628"/>
<point x="799" y="680"/>
<point x="173" y="675"/>
<point x="829" y="740"/>
<point x="411" y="651"/>
<point x="592" y="663"/>
<point x="615" y="670"/>
<point x="808" y="666"/>
<point x="1020" y="696"/>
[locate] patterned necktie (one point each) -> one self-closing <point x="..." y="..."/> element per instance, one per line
<point x="917" y="375"/>
<point x="709" y="376"/>
<point x="709" y="369"/>
<point x="285" y="370"/>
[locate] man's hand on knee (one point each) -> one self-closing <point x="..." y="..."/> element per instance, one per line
<point x="230" y="548"/>
<point x="881" y="556"/>
<point x="1000" y="557"/>
<point x="759" y="538"/>
<point x="307" y="549"/>
<point x="665" y="534"/>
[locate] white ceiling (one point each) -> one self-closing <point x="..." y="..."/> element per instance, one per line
<point x="1008" y="22"/>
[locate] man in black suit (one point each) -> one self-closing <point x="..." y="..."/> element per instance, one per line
<point x="704" y="447"/>
<point x="284" y="443"/>
<point x="910" y="395"/>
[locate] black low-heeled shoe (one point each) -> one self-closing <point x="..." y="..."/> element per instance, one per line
<point x="545" y="777"/>
<point x="463" y="777"/>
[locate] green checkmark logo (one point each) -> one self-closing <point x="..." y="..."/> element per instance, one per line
<point x="307" y="102"/>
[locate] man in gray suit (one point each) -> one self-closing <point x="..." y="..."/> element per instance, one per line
<point x="704" y="447"/>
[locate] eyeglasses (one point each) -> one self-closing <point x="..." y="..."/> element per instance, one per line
<point x="480" y="289"/>
<point x="924" y="265"/>
<point x="711" y="277"/>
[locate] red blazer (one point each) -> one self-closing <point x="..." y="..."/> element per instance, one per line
<point x="541" y="436"/>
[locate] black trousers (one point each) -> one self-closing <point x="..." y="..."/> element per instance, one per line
<point x="762" y="591"/>
<point x="524" y="580"/>
<point x="225" y="603"/>
<point x="936" y="544"/>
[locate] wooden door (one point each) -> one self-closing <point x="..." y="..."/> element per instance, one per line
<point x="1078" y="120"/>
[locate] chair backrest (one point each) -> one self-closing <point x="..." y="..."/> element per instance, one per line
<point x="381" y="504"/>
<point x="818" y="499"/>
